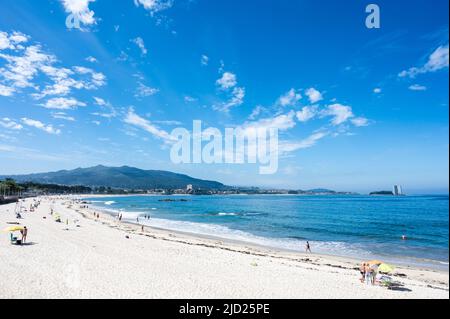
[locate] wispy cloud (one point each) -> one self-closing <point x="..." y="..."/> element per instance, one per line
<point x="61" y="103"/>
<point x="41" y="126"/>
<point x="310" y="141"/>
<point x="63" y="116"/>
<point x="360" y="121"/>
<point x="154" y="6"/>
<point x="140" y="44"/>
<point x="438" y="60"/>
<point x="417" y="87"/>
<point x="10" y="124"/>
<point x="105" y="105"/>
<point x="204" y="60"/>
<point x="133" y="119"/>
<point x="189" y="99"/>
<point x="91" y="59"/>
<point x="145" y="91"/>
<point x="257" y="111"/>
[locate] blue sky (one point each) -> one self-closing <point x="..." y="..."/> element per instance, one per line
<point x="358" y="109"/>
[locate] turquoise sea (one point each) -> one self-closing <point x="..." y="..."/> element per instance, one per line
<point x="352" y="226"/>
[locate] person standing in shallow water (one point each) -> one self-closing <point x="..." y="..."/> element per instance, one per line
<point x="308" y="247"/>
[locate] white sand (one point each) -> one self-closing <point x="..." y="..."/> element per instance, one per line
<point x="97" y="261"/>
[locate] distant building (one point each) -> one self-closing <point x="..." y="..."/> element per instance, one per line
<point x="397" y="190"/>
<point x="189" y="189"/>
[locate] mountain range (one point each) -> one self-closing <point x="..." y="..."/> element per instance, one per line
<point x="118" y="177"/>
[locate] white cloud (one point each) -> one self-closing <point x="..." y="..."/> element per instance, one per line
<point x="227" y="81"/>
<point x="10" y="124"/>
<point x="189" y="99"/>
<point x="6" y="90"/>
<point x="256" y="112"/>
<point x="281" y="122"/>
<point x="26" y="63"/>
<point x="91" y="59"/>
<point x="20" y="70"/>
<point x="204" y="60"/>
<point x="417" y="87"/>
<point x="310" y="141"/>
<point x="13" y="41"/>
<point x="100" y="101"/>
<point x="105" y="105"/>
<point x="290" y="98"/>
<point x="145" y="91"/>
<point x="313" y="95"/>
<point x="133" y="119"/>
<point x="63" y="116"/>
<point x="98" y="79"/>
<point x="61" y="103"/>
<point x="41" y="126"/>
<point x="63" y="81"/>
<point x="360" y="121"/>
<point x="80" y="9"/>
<point x="168" y="122"/>
<point x="340" y="113"/>
<point x="154" y="6"/>
<point x="438" y="60"/>
<point x="307" y="113"/>
<point x="141" y="45"/>
<point x="377" y="90"/>
<point x="237" y="98"/>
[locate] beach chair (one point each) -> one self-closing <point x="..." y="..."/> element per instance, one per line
<point x="13" y="239"/>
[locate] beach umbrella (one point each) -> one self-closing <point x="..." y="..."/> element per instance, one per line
<point x="385" y="268"/>
<point x="13" y="228"/>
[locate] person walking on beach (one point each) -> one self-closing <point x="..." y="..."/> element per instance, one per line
<point x="308" y="247"/>
<point x="362" y="271"/>
<point x="24" y="232"/>
<point x="368" y="274"/>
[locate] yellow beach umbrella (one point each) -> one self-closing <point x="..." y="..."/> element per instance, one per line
<point x="13" y="228"/>
<point x="385" y="268"/>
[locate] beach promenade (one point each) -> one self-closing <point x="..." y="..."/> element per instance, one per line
<point x="89" y="257"/>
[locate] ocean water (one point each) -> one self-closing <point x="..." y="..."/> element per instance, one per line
<point x="353" y="226"/>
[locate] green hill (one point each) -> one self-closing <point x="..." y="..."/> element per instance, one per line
<point x="117" y="177"/>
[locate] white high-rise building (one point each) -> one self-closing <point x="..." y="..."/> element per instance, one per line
<point x="397" y="190"/>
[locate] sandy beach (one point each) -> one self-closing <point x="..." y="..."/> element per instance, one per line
<point x="102" y="258"/>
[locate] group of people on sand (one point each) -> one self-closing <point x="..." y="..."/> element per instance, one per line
<point x="368" y="273"/>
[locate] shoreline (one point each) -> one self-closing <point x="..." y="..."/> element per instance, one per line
<point x="402" y="261"/>
<point x="257" y="248"/>
<point x="162" y="259"/>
